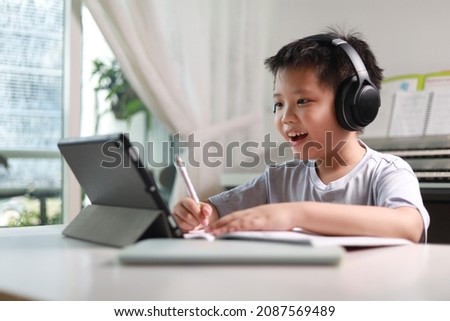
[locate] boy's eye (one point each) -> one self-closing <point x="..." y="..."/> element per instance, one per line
<point x="302" y="101"/>
<point x="277" y="106"/>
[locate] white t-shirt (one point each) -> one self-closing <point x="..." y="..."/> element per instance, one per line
<point x="378" y="180"/>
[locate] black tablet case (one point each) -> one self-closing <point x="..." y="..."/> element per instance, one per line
<point x="126" y="205"/>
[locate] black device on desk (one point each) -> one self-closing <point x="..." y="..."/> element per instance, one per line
<point x="126" y="204"/>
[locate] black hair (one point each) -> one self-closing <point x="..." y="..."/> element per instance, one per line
<point x="330" y="63"/>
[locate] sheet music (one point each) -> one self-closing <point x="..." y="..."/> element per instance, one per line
<point x="439" y="116"/>
<point x="409" y="113"/>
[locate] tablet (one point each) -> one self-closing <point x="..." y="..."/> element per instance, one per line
<point x="122" y="191"/>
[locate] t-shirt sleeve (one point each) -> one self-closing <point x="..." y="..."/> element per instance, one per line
<point x="399" y="187"/>
<point x="250" y="194"/>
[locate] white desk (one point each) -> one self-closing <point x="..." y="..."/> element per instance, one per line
<point x="39" y="263"/>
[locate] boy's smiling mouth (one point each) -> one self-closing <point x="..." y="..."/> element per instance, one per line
<point x="295" y="136"/>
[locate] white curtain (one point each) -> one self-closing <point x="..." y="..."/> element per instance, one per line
<point x="198" y="66"/>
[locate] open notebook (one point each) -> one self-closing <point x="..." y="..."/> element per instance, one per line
<point x="300" y="236"/>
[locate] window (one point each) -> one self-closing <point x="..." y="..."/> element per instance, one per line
<point x="31" y="117"/>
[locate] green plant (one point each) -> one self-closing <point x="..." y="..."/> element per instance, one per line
<point x="31" y="215"/>
<point x="123" y="100"/>
<point x="26" y="218"/>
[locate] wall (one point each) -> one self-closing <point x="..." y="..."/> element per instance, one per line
<point x="406" y="36"/>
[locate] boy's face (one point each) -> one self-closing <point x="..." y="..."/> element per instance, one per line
<point x="304" y="113"/>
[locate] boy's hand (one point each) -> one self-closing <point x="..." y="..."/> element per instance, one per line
<point x="191" y="216"/>
<point x="274" y="217"/>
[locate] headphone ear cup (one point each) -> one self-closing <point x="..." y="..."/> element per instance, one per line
<point x="355" y="108"/>
<point x="367" y="104"/>
<point x="345" y="96"/>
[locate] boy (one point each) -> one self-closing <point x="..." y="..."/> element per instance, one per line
<point x="325" y="92"/>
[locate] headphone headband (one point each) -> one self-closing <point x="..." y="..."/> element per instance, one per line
<point x="357" y="63"/>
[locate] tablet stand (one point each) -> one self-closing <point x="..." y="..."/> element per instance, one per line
<point x="117" y="226"/>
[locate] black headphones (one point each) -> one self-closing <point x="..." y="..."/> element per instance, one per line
<point x="357" y="98"/>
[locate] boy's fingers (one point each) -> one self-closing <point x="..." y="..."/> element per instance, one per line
<point x="203" y="218"/>
<point x="226" y="220"/>
<point x="190" y="215"/>
<point x="184" y="219"/>
<point x="187" y="214"/>
<point x="192" y="208"/>
<point x="229" y="223"/>
<point x="206" y="209"/>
